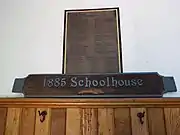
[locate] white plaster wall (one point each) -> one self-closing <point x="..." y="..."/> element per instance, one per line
<point x="31" y="36"/>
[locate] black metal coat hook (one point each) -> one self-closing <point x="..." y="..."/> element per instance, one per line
<point x="42" y="115"/>
<point x="141" y="115"/>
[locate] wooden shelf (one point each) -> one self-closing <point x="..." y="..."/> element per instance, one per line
<point x="89" y="102"/>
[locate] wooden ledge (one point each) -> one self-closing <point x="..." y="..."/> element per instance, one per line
<point x="89" y="102"/>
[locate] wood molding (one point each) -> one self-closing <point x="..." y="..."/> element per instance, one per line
<point x="89" y="102"/>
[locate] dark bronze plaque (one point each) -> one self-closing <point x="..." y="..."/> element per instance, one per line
<point x="58" y="85"/>
<point x="92" y="42"/>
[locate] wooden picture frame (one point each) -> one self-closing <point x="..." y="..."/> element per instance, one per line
<point x="71" y="39"/>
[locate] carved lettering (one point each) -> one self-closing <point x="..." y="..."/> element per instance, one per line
<point x="73" y="82"/>
<point x="54" y="82"/>
<point x="88" y="82"/>
<point x="102" y="83"/>
<point x="140" y="82"/>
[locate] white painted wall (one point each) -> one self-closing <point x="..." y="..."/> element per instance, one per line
<point x="31" y="36"/>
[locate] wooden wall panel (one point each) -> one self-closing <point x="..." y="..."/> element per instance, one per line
<point x="73" y="121"/>
<point x="172" y="120"/>
<point x="90" y="119"/>
<point x="122" y="121"/>
<point x="137" y="127"/>
<point x="42" y="128"/>
<point x="3" y="112"/>
<point x="27" y="121"/>
<point x="106" y="121"/>
<point x="58" y="121"/>
<point x="156" y="121"/>
<point x="89" y="123"/>
<point x="13" y="121"/>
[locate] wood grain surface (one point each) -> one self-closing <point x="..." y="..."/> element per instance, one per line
<point x="156" y="121"/>
<point x="27" y="121"/>
<point x="3" y="112"/>
<point x="56" y="85"/>
<point x="122" y="121"/>
<point x="172" y="119"/>
<point x="89" y="122"/>
<point x="58" y="121"/>
<point x="73" y="121"/>
<point x="106" y="121"/>
<point x="42" y="128"/>
<point x="89" y="102"/>
<point x="103" y="120"/>
<point x="13" y="121"/>
<point x="137" y="127"/>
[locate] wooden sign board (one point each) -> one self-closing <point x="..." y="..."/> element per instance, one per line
<point x="92" y="41"/>
<point x="100" y="85"/>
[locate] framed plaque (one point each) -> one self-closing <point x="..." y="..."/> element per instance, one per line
<point x="92" y="41"/>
